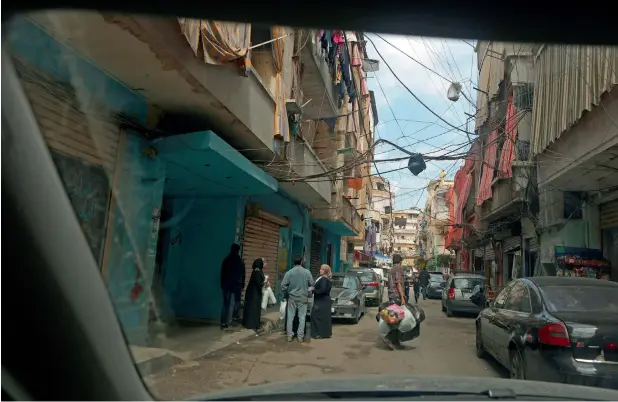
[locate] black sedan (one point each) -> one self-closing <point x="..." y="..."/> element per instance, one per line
<point x="348" y="298"/>
<point x="435" y="287"/>
<point x="554" y="329"/>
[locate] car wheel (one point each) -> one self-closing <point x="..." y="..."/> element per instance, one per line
<point x="356" y="319"/>
<point x="516" y="365"/>
<point x="443" y="308"/>
<point x="449" y="313"/>
<point x="480" y="349"/>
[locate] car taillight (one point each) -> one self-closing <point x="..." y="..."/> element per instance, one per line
<point x="611" y="346"/>
<point x="554" y="334"/>
<point x="451" y="293"/>
<point x="372" y="284"/>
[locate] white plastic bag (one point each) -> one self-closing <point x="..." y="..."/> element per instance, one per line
<point x="383" y="328"/>
<point x="282" y="310"/>
<point x="268" y="296"/>
<point x="409" y="322"/>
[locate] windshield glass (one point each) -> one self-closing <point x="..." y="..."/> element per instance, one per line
<point x="347" y="282"/>
<point x="365" y="276"/>
<point x="230" y="178"/>
<point x="580" y="299"/>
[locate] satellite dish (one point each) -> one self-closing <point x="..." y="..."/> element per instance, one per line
<point x="454" y="91"/>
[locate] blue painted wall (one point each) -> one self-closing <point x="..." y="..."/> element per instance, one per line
<point x="134" y="231"/>
<point x="203" y="231"/>
<point x="134" y="236"/>
<point x="335" y="240"/>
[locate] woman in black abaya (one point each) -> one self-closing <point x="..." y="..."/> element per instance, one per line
<point x="252" y="311"/>
<point x="321" y="322"/>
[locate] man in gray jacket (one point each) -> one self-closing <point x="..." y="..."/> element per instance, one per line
<point x="296" y="285"/>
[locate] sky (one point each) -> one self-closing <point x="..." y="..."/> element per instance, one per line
<point x="406" y="122"/>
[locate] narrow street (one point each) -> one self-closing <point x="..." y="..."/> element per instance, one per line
<point x="445" y="347"/>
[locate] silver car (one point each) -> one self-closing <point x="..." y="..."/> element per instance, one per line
<point x="457" y="292"/>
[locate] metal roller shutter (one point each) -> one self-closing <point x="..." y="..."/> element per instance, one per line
<point x="512" y="243"/>
<point x="84" y="147"/>
<point x="261" y="239"/>
<point x="316" y="251"/>
<point x="609" y="215"/>
<point x="489" y="253"/>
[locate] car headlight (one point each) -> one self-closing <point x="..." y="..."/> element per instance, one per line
<point x="346" y="303"/>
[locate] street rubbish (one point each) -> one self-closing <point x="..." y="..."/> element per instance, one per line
<point x="399" y="323"/>
<point x="268" y="296"/>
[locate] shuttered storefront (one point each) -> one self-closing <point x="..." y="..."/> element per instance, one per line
<point x="261" y="240"/>
<point x="315" y="260"/>
<point x="511" y="244"/>
<point x="84" y="148"/>
<point x="609" y="215"/>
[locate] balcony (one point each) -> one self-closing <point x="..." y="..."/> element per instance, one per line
<point x="340" y="218"/>
<point x="508" y="194"/>
<point x="317" y="83"/>
<point x="422" y="234"/>
<point x="151" y="55"/>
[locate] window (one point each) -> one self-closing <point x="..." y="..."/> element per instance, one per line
<point x="347" y="282"/>
<point x="380" y="186"/>
<point x="600" y="299"/>
<point x="501" y="299"/>
<point x="519" y="298"/>
<point x="467" y="283"/>
<point x="535" y="301"/>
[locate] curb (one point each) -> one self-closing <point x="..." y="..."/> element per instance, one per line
<point x="183" y="360"/>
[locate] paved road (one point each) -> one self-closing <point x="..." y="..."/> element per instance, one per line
<point x="445" y="347"/>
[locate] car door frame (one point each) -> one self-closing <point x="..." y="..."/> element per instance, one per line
<point x="487" y="321"/>
<point x="509" y="322"/>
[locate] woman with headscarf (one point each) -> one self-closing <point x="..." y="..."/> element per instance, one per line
<point x="321" y="322"/>
<point x="252" y="311"/>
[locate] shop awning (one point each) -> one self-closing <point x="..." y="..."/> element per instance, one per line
<point x="339" y="228"/>
<point x="203" y="165"/>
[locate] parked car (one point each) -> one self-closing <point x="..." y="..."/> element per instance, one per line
<point x="554" y="329"/>
<point x="456" y="294"/>
<point x="435" y="287"/>
<point x="371" y="284"/>
<point x="348" y="298"/>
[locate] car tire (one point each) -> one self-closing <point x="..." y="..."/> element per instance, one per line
<point x="356" y="319"/>
<point x="443" y="308"/>
<point x="516" y="365"/>
<point x="480" y="348"/>
<point x="449" y="313"/>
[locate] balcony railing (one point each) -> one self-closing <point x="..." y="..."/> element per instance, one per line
<point x="509" y="193"/>
<point x="341" y="210"/>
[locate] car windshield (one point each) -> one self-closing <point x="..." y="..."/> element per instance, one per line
<point x="365" y="276"/>
<point x="347" y="282"/>
<point x="219" y="172"/>
<point x="579" y="299"/>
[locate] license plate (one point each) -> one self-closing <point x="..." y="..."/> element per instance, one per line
<point x="347" y="315"/>
<point x="332" y="310"/>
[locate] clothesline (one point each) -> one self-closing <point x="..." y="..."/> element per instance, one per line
<point x="269" y="41"/>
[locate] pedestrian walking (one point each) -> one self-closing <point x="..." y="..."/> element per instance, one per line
<point x="252" y="312"/>
<point x="395" y="284"/>
<point x="296" y="284"/>
<point x="423" y="277"/>
<point x="417" y="287"/>
<point x="321" y="321"/>
<point x="232" y="284"/>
